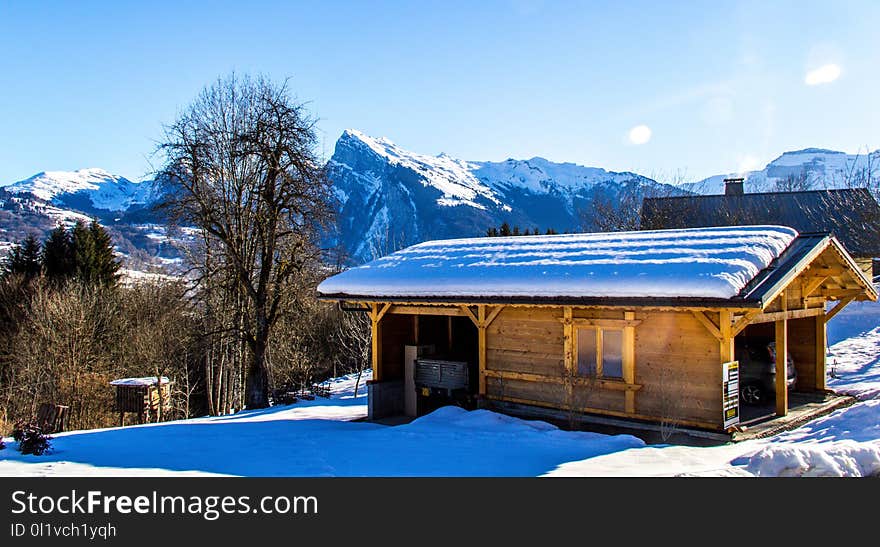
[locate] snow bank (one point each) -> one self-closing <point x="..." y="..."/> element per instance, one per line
<point x="699" y="262"/>
<point x="846" y="443"/>
<point x="840" y="459"/>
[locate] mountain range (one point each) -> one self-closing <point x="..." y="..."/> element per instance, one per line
<point x="389" y="197"/>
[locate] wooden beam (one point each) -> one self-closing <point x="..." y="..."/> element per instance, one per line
<point x="827" y="271"/>
<point x="710" y="326"/>
<point x="740" y="324"/>
<point x="842" y="293"/>
<point x="603" y="323"/>
<point x="836" y="309"/>
<point x="493" y="315"/>
<point x="481" y="329"/>
<point x="383" y="311"/>
<point x="629" y="362"/>
<point x="781" y="367"/>
<point x="415" y="319"/>
<point x="471" y="315"/>
<point x="426" y="310"/>
<point x="821" y="340"/>
<point x="812" y="284"/>
<point x="615" y="385"/>
<point x="772" y="317"/>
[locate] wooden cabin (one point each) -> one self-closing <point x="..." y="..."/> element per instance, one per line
<point x="643" y="326"/>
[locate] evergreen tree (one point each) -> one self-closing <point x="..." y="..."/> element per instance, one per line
<point x="551" y="231"/>
<point x="25" y="258"/>
<point x="492" y="232"/>
<point x="528" y="232"/>
<point x="84" y="261"/>
<point x="105" y="266"/>
<point x="58" y="255"/>
<point x="505" y="230"/>
<point x="516" y="231"/>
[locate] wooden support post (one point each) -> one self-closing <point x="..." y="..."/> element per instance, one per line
<point x="629" y="362"/>
<point x="781" y="367"/>
<point x="449" y="332"/>
<point x="726" y="340"/>
<point x="821" y="338"/>
<point x="375" y="339"/>
<point x="568" y="353"/>
<point x="481" y="326"/>
<point x="415" y="330"/>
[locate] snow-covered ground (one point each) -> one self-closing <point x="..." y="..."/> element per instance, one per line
<point x="323" y="438"/>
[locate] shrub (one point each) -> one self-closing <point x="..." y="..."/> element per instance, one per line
<point x="31" y="439"/>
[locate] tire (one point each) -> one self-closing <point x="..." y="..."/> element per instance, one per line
<point x="752" y="394"/>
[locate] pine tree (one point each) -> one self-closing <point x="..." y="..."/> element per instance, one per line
<point x="24" y="258"/>
<point x="516" y="231"/>
<point x="83" y="253"/>
<point x="58" y="255"/>
<point x="105" y="266"/>
<point x="505" y="230"/>
<point x="528" y="232"/>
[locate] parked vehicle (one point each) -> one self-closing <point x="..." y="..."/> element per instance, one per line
<point x="757" y="370"/>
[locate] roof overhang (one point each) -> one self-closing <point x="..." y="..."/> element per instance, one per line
<point x="797" y="259"/>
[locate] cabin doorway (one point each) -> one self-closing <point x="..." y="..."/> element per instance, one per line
<point x="446" y="371"/>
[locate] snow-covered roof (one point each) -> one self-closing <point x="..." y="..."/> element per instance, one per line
<point x="712" y="263"/>
<point x="145" y="381"/>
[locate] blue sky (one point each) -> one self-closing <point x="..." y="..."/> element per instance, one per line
<point x="718" y="86"/>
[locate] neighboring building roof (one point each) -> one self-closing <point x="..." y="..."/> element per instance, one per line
<point x="663" y="267"/>
<point x="851" y="215"/>
<point x="145" y="381"/>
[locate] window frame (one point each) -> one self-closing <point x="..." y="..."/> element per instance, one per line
<point x="599" y="331"/>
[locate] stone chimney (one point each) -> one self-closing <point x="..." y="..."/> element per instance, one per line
<point x="733" y="187"/>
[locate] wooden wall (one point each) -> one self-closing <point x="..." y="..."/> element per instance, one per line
<point x="397" y="331"/>
<point x="677" y="365"/>
<point x="802" y="347"/>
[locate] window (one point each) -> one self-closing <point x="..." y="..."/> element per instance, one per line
<point x="600" y="352"/>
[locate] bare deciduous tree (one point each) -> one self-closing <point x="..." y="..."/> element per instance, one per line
<point x="243" y="169"/>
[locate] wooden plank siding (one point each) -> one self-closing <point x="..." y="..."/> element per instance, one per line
<point x="675" y="362"/>
<point x="802" y="346"/>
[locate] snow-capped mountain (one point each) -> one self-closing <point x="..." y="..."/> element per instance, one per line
<point x="390" y="197"/>
<point x="94" y="188"/>
<point x="39" y="203"/>
<point x="810" y="168"/>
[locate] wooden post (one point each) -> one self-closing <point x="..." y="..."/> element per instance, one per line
<point x="821" y="338"/>
<point x="568" y="352"/>
<point x="481" y="327"/>
<point x="375" y="340"/>
<point x="781" y="367"/>
<point x="449" y="332"/>
<point x="726" y="340"/>
<point x="629" y="361"/>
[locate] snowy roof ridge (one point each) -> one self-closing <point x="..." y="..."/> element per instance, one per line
<point x="711" y="263"/>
